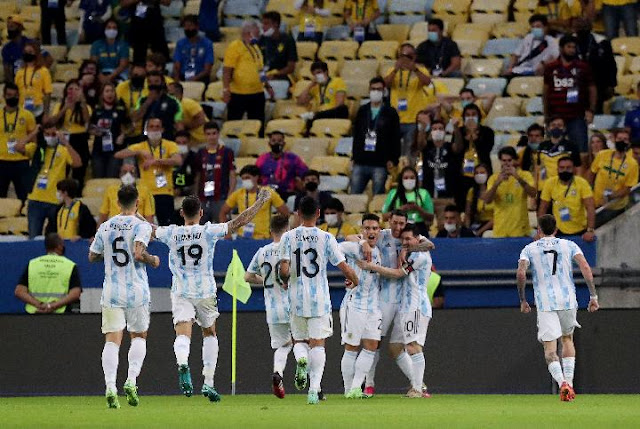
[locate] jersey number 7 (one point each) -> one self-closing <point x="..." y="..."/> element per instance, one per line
<point x="555" y="260"/>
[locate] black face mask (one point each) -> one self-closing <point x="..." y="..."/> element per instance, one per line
<point x="190" y="33"/>
<point x="583" y="34"/>
<point x="12" y="101"/>
<point x="137" y="81"/>
<point x="28" y="57"/>
<point x="155" y="87"/>
<point x="276" y="148"/>
<point x="565" y="176"/>
<point x="621" y="146"/>
<point x="311" y="186"/>
<point x="13" y="33"/>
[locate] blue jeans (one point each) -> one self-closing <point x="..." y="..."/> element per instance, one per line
<point x="361" y="174"/>
<point x="406" y="135"/>
<point x="577" y="132"/>
<point x="614" y="15"/>
<point x="36" y="215"/>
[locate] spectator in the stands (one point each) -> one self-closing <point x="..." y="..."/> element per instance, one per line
<point x="72" y="220"/>
<point x="559" y="13"/>
<point x="453" y="227"/>
<point x="147" y="27"/>
<point x="570" y="92"/>
<point x="52" y="162"/>
<point x="359" y="16"/>
<point x="215" y="173"/>
<point x="536" y="49"/>
<point x="13" y="49"/>
<point x="311" y="181"/>
<point x="635" y="149"/>
<point x="280" y="169"/>
<point x="156" y="62"/>
<point x="376" y="141"/>
<point x="193" y="56"/>
<point x="208" y="17"/>
<point x="452" y="105"/>
<point x="243" y="78"/>
<point x="278" y="49"/>
<point x="245" y="197"/>
<point x="632" y="118"/>
<point x="193" y="115"/>
<point x="50" y="283"/>
<point x="52" y="12"/>
<point x="508" y="190"/>
<point x="334" y="222"/>
<point x="407" y="82"/>
<point x="160" y="105"/>
<point x="156" y="159"/>
<point x="17" y="143"/>
<point x="527" y="149"/>
<point x="311" y="25"/>
<point x="440" y="165"/>
<point x="184" y="176"/>
<point x="551" y="150"/>
<point x="107" y="125"/>
<point x="93" y="16"/>
<point x="616" y="12"/>
<point x="597" y="143"/>
<point x="89" y="81"/>
<point x="473" y="142"/>
<point x="438" y="53"/>
<point x="111" y="53"/>
<point x="572" y="200"/>
<point x="409" y="197"/>
<point x="478" y="214"/>
<point x="327" y="95"/>
<point x="130" y="92"/>
<point x="34" y="82"/>
<point x="110" y="207"/>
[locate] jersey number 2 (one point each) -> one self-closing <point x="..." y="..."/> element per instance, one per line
<point x="270" y="269"/>
<point x="555" y="260"/>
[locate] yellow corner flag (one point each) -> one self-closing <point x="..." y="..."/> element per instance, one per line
<point x="234" y="283"/>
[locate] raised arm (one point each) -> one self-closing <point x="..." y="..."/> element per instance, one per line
<point x="140" y="254"/>
<point x="392" y="273"/>
<point x="253" y="278"/>
<point x="521" y="276"/>
<point x="585" y="269"/>
<point x="243" y="218"/>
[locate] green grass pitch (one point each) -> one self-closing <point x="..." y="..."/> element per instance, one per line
<point x="388" y="411"/>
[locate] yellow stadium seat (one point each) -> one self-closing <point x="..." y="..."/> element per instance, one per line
<point x="483" y="68"/>
<point x="354" y="219"/>
<point x="93" y="204"/>
<point x="336" y="13"/>
<point x="304" y="69"/>
<point x="309" y="148"/>
<point x="288" y="109"/>
<point x="240" y="129"/>
<point x="58" y="91"/>
<point x="10" y="207"/>
<point x="338" y="50"/>
<point x="299" y="87"/>
<point x="376" y="203"/>
<point x="505" y="106"/>
<point x="331" y="127"/>
<point x="357" y="88"/>
<point x="378" y="50"/>
<point x="627" y="84"/>
<point x="419" y="31"/>
<point x="525" y="86"/>
<point x="57" y="52"/>
<point x="354" y="203"/>
<point x="451" y="11"/>
<point x="214" y="91"/>
<point x="470" y="32"/>
<point x="470" y="48"/>
<point x="394" y="32"/>
<point x="510" y="30"/>
<point x="621" y="64"/>
<point x="97" y="187"/>
<point x="243" y="161"/>
<point x="193" y="8"/>
<point x="332" y="165"/>
<point x="79" y="53"/>
<point x="219" y="48"/>
<point x="628" y="46"/>
<point x="32" y="29"/>
<point x="18" y="225"/>
<point x="31" y="13"/>
<point x="488" y="7"/>
<point x="634" y="65"/>
<point x="385" y="66"/>
<point x="525" y="6"/>
<point x="193" y="90"/>
<point x="253" y="147"/>
<point x="65" y="72"/>
<point x="307" y="50"/>
<point x="359" y="69"/>
<point x="230" y="34"/>
<point x="287" y="10"/>
<point x="488" y="18"/>
<point x="453" y="84"/>
<point x="289" y="127"/>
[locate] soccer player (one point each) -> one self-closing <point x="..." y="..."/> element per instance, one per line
<point x="193" y="289"/>
<point x="304" y="254"/>
<point x="414" y="312"/>
<point x="122" y="243"/>
<point x="360" y="316"/>
<point x="263" y="269"/>
<point x="555" y="295"/>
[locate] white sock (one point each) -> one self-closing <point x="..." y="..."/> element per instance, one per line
<point x="137" y="353"/>
<point x="348" y="366"/>
<point x="405" y="364"/>
<point x="181" y="347"/>
<point x="556" y="372"/>
<point x="418" y="371"/>
<point x="110" y="356"/>
<point x="363" y="365"/>
<point x="370" y="379"/>
<point x="209" y="358"/>
<point x="280" y="358"/>
<point x="568" y="367"/>
<point x="317" y="359"/>
<point x="301" y="350"/>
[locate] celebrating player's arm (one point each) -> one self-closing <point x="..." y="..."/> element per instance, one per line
<point x="521" y="276"/>
<point x="140" y="254"/>
<point x="424" y="245"/>
<point x="392" y="273"/>
<point x="245" y="217"/>
<point x="585" y="269"/>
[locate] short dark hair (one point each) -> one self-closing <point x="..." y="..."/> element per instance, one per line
<point x="191" y="206"/>
<point x="566" y="39"/>
<point x="535" y="127"/>
<point x="335" y="204"/>
<point x="370" y="216"/>
<point x="472" y="106"/>
<point x="377" y="79"/>
<point x="156" y="73"/>
<point x="555" y="118"/>
<point x="190" y="18"/>
<point x="127" y="195"/>
<point x="70" y="186"/>
<point x="251" y="170"/>
<point x="398" y="212"/>
<point x="565" y="158"/>
<point x="452" y="208"/>
<point x="182" y="133"/>
<point x="437" y="121"/>
<point x="437" y="22"/>
<point x="319" y="65"/>
<point x="308" y="207"/>
<point x="178" y="86"/>
<point x="10" y="85"/>
<point x="276" y="132"/>
<point x="538" y="18"/>
<point x="547" y="224"/>
<point x="273" y="16"/>
<point x="211" y="125"/>
<point x="467" y="89"/>
<point x="48" y="124"/>
<point x="314" y="173"/>
<point x="51" y="241"/>
<point x="412" y="228"/>
<point x="157" y="59"/>
<point x="279" y="223"/>
<point x="507" y="150"/>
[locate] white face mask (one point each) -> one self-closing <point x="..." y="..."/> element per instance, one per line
<point x="51" y="140"/>
<point x="610" y="144"/>
<point x="128" y="179"/>
<point x="320" y="78"/>
<point x="480" y="178"/>
<point x="450" y="227"/>
<point x="437" y="135"/>
<point x="183" y="149"/>
<point x="247" y="184"/>
<point x="409" y="184"/>
<point x="375" y="96"/>
<point x="332" y="219"/>
<point x="111" y="33"/>
<point x="154" y="136"/>
<point x="59" y="196"/>
<point x="269" y="32"/>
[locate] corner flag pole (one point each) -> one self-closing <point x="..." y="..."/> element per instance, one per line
<point x="234" y="318"/>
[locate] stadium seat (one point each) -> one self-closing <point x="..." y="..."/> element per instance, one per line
<point x="534" y="106"/>
<point x="627" y="46"/>
<point x="378" y="50"/>
<point x="419" y="31"/>
<point x="359" y="69"/>
<point x="451" y="11"/>
<point x="605" y="122"/>
<point x="235" y="12"/>
<point x="58" y="91"/>
<point x="523" y="9"/>
<point x="288" y="109"/>
<point x="331" y="128"/>
<point x="406" y="11"/>
<point x="65" y="72"/>
<point x="332" y="165"/>
<point x="470" y="48"/>
<point x="334" y="183"/>
<point x="240" y="129"/>
<point x="487" y="86"/>
<point x="489" y="11"/>
<point x="30" y="13"/>
<point x="500" y="48"/>
<point x="304" y="68"/>
<point x="620" y="105"/>
<point x="470" y="32"/>
<point x="280" y="88"/>
<point x="219" y="48"/>
<point x="525" y="86"/>
<point x="627" y="84"/>
<point x="193" y="90"/>
<point x="354" y="219"/>
<point x="634" y="65"/>
<point x="18" y="225"/>
<point x="385" y="66"/>
<point x="253" y="147"/>
<point x="10" y="207"/>
<point x="338" y="50"/>
<point x="344" y="147"/>
<point x="57" y="52"/>
<point x="287" y="10"/>
<point x="376" y="203"/>
<point x="289" y="127"/>
<point x="192" y="8"/>
<point x="504" y="106"/>
<point x="79" y="53"/>
<point x="338" y="32"/>
<point x="491" y="67"/>
<point x="621" y="64"/>
<point x="354" y="203"/>
<point x="97" y="187"/>
<point x="230" y="33"/>
<point x="299" y="87"/>
<point x="307" y="50"/>
<point x="502" y="140"/>
<point x="509" y="30"/>
<point x="93" y="203"/>
<point x="233" y="144"/>
<point x="243" y="161"/>
<point x="453" y="84"/>
<point x="214" y="91"/>
<point x="309" y="148"/>
<point x="513" y="124"/>
<point x="394" y="32"/>
<point x="358" y="88"/>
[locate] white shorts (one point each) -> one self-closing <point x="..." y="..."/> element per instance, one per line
<point x="115" y="319"/>
<point x="317" y="328"/>
<point x="204" y="311"/>
<point x="389" y="311"/>
<point x="554" y="324"/>
<point x="280" y="334"/>
<point x="410" y="327"/>
<point x="359" y="325"/>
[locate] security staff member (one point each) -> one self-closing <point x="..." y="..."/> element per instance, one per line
<point x="50" y="283"/>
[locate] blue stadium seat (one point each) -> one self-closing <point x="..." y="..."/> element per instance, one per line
<point x="233" y="144"/>
<point x="502" y="48"/>
<point x="481" y="85"/>
<point x="344" y="146"/>
<point x="338" y="32"/>
<point x="605" y="122"/>
<point x="621" y="105"/>
<point x="534" y="106"/>
<point x="512" y="124"/>
<point x="334" y="183"/>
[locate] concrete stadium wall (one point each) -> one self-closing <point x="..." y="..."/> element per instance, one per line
<point x="467" y="351"/>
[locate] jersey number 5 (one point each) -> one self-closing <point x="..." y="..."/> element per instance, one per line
<point x="312" y="261"/>
<point x="555" y="260"/>
<point x="117" y="252"/>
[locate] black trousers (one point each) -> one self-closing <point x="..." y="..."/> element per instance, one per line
<point x="147" y="33"/>
<point x="164" y="209"/>
<point x="251" y="104"/>
<point x="52" y="16"/>
<point x="340" y="112"/>
<point x="16" y="172"/>
<point x="80" y="143"/>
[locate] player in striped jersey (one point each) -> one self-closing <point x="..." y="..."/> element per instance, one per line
<point x="304" y="254"/>
<point x="122" y="243"/>
<point x="263" y="269"/>
<point x="193" y="289"/>
<point x="551" y="261"/>
<point x="360" y="316"/>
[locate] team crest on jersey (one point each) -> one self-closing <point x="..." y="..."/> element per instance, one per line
<point x="164" y="106"/>
<point x="22" y="121"/>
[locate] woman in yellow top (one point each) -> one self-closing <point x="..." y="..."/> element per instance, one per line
<point x="479" y="214"/>
<point x="72" y="116"/>
<point x="311" y="22"/>
<point x="34" y="82"/>
<point x="359" y="15"/>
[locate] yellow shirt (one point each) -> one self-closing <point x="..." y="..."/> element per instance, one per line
<point x="361" y="9"/>
<point x="612" y="175"/>
<point x="53" y="170"/>
<point x="247" y="63"/>
<point x="484" y="211"/>
<point x="110" y="206"/>
<point x="510" y="213"/>
<point x="158" y="180"/>
<point x="568" y="203"/>
<point x="145" y="90"/>
<point x="313" y="21"/>
<point x="68" y="220"/>
<point x="341" y="231"/>
<point x="190" y="109"/>
<point x="242" y="199"/>
<point x="34" y="84"/>
<point x="324" y="97"/>
<point x="408" y="95"/>
<point x="548" y="166"/>
<point x="70" y="125"/>
<point x="130" y="99"/>
<point x="616" y="2"/>
<point x="15" y="126"/>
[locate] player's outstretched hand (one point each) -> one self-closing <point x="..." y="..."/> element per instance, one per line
<point x="365" y="265"/>
<point x="593" y="305"/>
<point x="156" y="262"/>
<point x="524" y="307"/>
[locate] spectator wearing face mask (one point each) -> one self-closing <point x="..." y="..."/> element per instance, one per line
<point x="111" y="54"/>
<point x="280" y="169"/>
<point x="528" y="146"/>
<point x="89" y="81"/>
<point x="440" y="165"/>
<point x="193" y="56"/>
<point x="110" y="207"/>
<point x="129" y="93"/>
<point x="478" y="213"/>
<point x="159" y="104"/>
<point x="439" y="54"/>
<point x="453" y="227"/>
<point x="13" y="49"/>
<point x="326" y="94"/>
<point x="34" y="82"/>
<point x="278" y="48"/>
<point x="184" y="176"/>
<point x="408" y="197"/>
<point x="245" y="197"/>
<point x="334" y="222"/>
<point x="452" y="105"/>
<point x="534" y="51"/>
<point x="73" y="220"/>
<point x="311" y="181"/>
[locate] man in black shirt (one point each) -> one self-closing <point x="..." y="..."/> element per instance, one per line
<point x="159" y="104"/>
<point x="278" y="49"/>
<point x="311" y="180"/>
<point x="147" y="27"/>
<point x="439" y="54"/>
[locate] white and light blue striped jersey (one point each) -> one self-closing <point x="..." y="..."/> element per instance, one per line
<point x="309" y="249"/>
<point x="125" y="280"/>
<point x="390" y="247"/>
<point x="414" y="286"/>
<point x="363" y="297"/>
<point x="191" y="257"/>
<point x="551" y="261"/>
<point x="266" y="263"/>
